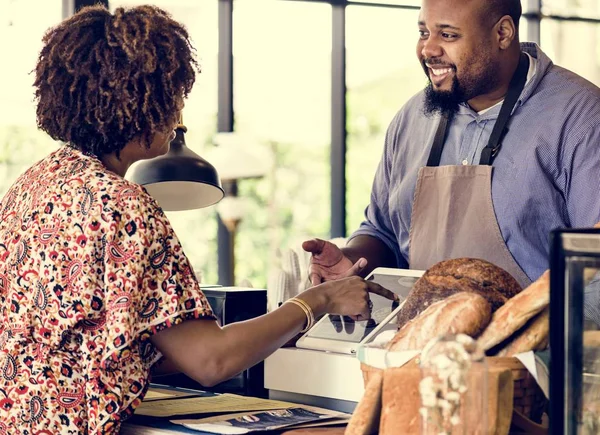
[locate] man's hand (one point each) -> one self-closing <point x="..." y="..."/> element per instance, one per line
<point x="329" y="263"/>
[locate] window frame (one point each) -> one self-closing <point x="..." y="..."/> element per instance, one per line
<point x="226" y="115"/>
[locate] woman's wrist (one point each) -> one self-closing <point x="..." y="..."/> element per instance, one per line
<point x="316" y="298"/>
<point x="310" y="316"/>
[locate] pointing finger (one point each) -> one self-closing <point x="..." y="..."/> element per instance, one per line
<point x="377" y="289"/>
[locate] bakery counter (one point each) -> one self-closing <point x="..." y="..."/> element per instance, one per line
<point x="317" y="378"/>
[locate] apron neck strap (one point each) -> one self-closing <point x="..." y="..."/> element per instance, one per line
<point x="488" y="154"/>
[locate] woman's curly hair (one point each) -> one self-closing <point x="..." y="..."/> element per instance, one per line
<point x="102" y="79"/>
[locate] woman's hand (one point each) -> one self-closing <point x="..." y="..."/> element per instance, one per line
<point x="329" y="263"/>
<point x="345" y="297"/>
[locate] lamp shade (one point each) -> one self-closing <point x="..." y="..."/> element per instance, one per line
<point x="180" y="179"/>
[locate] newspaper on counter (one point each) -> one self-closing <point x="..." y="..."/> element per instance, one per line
<point x="244" y="423"/>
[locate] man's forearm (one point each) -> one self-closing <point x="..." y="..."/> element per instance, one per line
<point x="374" y="250"/>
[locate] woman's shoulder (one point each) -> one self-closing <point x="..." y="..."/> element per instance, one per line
<point x="94" y="187"/>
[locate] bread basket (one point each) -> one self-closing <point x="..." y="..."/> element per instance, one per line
<point x="528" y="400"/>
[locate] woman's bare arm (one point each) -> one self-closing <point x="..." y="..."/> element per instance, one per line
<point x="211" y="354"/>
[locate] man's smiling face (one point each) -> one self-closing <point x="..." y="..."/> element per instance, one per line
<point x="457" y="51"/>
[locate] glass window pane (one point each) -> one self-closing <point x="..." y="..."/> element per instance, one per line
<point x="392" y="2"/>
<point x="526" y="4"/>
<point x="21" y="143"/>
<point x="563" y="42"/>
<point x="529" y="5"/>
<point x="524" y="31"/>
<point x="197" y="229"/>
<point x="282" y="91"/>
<point x="383" y="72"/>
<point x="577" y="8"/>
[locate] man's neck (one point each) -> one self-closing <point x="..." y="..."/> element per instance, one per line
<point x="485" y="101"/>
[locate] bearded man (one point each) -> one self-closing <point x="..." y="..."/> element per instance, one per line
<point x="502" y="147"/>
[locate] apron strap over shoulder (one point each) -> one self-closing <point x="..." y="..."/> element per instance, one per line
<point x="500" y="127"/>
<point x="438" y="142"/>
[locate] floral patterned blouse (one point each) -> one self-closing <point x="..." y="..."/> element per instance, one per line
<point x="90" y="268"/>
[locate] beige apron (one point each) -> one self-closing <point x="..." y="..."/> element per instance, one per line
<point x="453" y="215"/>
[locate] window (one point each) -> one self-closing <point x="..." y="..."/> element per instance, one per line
<point x="415" y="3"/>
<point x="282" y="97"/>
<point x="575" y="8"/>
<point x="382" y="74"/>
<point x="21" y="143"/>
<point x="573" y="45"/>
<point x="196" y="229"/>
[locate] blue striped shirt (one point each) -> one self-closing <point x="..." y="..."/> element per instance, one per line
<point x="546" y="175"/>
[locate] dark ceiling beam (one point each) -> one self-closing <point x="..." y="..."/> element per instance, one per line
<point x="69" y="7"/>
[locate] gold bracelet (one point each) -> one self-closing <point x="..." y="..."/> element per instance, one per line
<point x="309" y="318"/>
<point x="308" y="308"/>
<point x="306" y="313"/>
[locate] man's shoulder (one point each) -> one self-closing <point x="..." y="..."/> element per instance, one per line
<point x="569" y="102"/>
<point x="562" y="84"/>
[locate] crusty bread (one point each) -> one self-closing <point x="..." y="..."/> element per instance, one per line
<point x="516" y="312"/>
<point x="533" y="336"/>
<point x="591" y="339"/>
<point x="365" y="418"/>
<point x="461" y="313"/>
<point x="459" y="275"/>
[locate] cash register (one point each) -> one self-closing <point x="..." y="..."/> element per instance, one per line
<point x="322" y="369"/>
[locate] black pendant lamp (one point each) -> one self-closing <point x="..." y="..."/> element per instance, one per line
<point x="180" y="179"/>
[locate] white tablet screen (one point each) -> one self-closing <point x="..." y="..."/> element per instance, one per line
<point x="344" y="329"/>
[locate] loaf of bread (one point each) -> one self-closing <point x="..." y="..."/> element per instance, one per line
<point x="459" y="275"/>
<point x="366" y="416"/>
<point x="461" y="313"/>
<point x="533" y="336"/>
<point x="591" y="339"/>
<point x="515" y="313"/>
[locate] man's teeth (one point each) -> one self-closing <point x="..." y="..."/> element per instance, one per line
<point x="440" y="71"/>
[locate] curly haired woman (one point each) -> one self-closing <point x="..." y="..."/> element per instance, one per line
<point x="95" y="290"/>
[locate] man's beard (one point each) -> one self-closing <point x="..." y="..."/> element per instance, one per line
<point x="447" y="102"/>
<point x="443" y="102"/>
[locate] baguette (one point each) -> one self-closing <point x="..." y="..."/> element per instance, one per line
<point x="461" y="313"/>
<point x="533" y="336"/>
<point x="515" y="313"/>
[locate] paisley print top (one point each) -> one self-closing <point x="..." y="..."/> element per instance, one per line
<point x="90" y="268"/>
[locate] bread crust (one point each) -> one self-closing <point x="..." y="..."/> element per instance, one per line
<point x="516" y="312"/>
<point x="366" y="416"/>
<point x="462" y="313"/>
<point x="459" y="275"/>
<point x="533" y="336"/>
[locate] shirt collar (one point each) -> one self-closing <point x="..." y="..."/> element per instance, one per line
<point x="538" y="66"/>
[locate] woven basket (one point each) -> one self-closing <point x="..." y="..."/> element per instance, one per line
<point x="528" y="398"/>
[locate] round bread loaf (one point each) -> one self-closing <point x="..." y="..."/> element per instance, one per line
<point x="459" y="275"/>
